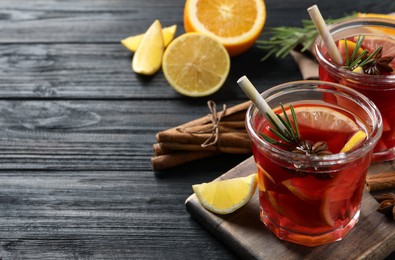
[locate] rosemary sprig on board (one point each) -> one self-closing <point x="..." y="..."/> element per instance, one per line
<point x="283" y="39"/>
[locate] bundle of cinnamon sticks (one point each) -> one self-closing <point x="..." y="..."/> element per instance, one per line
<point x="218" y="132"/>
<point x="380" y="181"/>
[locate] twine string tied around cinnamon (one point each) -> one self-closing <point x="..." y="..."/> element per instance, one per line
<point x="214" y="129"/>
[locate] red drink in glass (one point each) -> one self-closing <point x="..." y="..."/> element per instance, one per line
<point x="314" y="199"/>
<point x="379" y="88"/>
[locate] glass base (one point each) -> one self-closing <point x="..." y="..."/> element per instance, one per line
<point x="387" y="155"/>
<point x="309" y="240"/>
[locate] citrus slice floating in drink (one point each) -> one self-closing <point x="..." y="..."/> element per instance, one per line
<point x="236" y="24"/>
<point x="261" y="181"/>
<point x="354" y="141"/>
<point x="306" y="190"/>
<point x="226" y="196"/>
<point x="331" y="210"/>
<point x="196" y="65"/>
<point x="324" y="118"/>
<point x="341" y="45"/>
<point x="372" y="42"/>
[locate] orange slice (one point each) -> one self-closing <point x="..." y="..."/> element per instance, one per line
<point x="236" y="24"/>
<point x="196" y="65"/>
<point x="372" y="42"/>
<point x="262" y="173"/>
<point x="341" y="45"/>
<point x="302" y="188"/>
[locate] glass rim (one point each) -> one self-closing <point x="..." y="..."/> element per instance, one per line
<point x="348" y="24"/>
<point x="326" y="160"/>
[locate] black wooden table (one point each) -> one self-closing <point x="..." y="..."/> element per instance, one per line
<point x="77" y="128"/>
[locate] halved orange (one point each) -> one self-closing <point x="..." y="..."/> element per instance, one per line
<point x="236" y="24"/>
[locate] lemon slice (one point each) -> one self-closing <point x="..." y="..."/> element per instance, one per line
<point x="147" y="59"/>
<point x="196" y="65"/>
<point x="226" y="196"/>
<point x="132" y="42"/>
<point x="354" y="141"/>
<point x="324" y="118"/>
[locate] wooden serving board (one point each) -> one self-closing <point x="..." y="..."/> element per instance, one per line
<point x="373" y="237"/>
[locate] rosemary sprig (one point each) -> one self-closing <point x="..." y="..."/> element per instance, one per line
<point x="289" y="135"/>
<point x="284" y="39"/>
<point x="372" y="63"/>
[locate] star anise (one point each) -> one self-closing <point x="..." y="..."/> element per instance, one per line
<point x="290" y="136"/>
<point x="371" y="63"/>
<point x="308" y="148"/>
<point x="387" y="203"/>
<point x="378" y="65"/>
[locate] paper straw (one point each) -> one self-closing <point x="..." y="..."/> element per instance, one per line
<point x="258" y="100"/>
<point x="326" y="36"/>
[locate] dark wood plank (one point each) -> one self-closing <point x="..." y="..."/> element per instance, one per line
<point x="372" y="238"/>
<point x="97" y="215"/>
<point x="77" y="128"/>
<point x="81" y="71"/>
<point x="108" y="21"/>
<point x="95" y="135"/>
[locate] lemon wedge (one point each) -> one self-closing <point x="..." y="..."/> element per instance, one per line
<point x="147" y="59"/>
<point x="226" y="196"/>
<point x="132" y="42"/>
<point x="354" y="141"/>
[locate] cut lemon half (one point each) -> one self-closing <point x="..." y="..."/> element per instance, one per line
<point x="196" y="65"/>
<point x="226" y="196"/>
<point x="236" y="24"/>
<point x="132" y="42"/>
<point x="324" y="118"/>
<point x="147" y="59"/>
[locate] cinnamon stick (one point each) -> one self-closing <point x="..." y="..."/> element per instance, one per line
<point x="192" y="140"/>
<point x="380" y="181"/>
<point x="227" y="116"/>
<point x="230" y="139"/>
<point x="171" y="160"/>
<point x="171" y="147"/>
